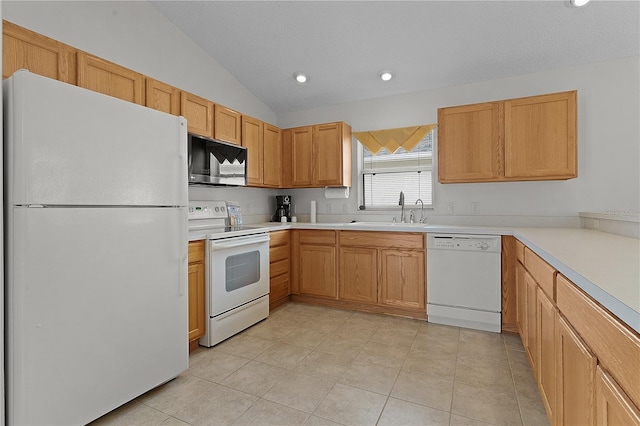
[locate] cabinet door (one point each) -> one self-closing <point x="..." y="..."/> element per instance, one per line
<point x="575" y="374"/>
<point x="227" y="125"/>
<point x="111" y="79"/>
<point x="162" y="97"/>
<point x="403" y="281"/>
<point x="24" y="49"/>
<point x="545" y="342"/>
<point x="252" y="140"/>
<point x="521" y="295"/>
<point x="317" y="271"/>
<point x="358" y="274"/>
<point x="540" y="137"/>
<point x="327" y="154"/>
<point x="470" y="141"/>
<point x="301" y="156"/>
<point x="199" y="114"/>
<point x="613" y="407"/>
<point x="272" y="156"/>
<point x="196" y="301"/>
<point x="532" y="324"/>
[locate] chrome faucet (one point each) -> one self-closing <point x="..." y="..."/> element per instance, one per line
<point x="422" y="217"/>
<point x="401" y="203"/>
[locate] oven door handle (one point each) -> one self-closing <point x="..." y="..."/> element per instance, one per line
<point x="238" y="241"/>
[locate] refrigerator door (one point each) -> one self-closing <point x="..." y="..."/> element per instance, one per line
<point x="71" y="146"/>
<point x="97" y="309"/>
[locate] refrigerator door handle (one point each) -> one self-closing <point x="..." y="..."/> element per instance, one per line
<point x="184" y="276"/>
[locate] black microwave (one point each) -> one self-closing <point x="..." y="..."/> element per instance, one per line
<point x="212" y="162"/>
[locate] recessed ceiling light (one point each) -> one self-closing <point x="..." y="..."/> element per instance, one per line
<point x="300" y="77"/>
<point x="385" y="75"/>
<point x="578" y="3"/>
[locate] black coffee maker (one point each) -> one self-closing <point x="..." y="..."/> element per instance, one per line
<point x="283" y="208"/>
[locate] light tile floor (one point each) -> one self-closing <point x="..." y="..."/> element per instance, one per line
<point x="312" y="365"/>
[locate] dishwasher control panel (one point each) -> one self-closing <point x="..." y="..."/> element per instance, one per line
<point x="488" y="243"/>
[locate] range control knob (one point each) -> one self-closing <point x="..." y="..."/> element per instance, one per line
<point x="484" y="245"/>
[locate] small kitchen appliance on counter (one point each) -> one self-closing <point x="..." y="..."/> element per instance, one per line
<point x="283" y="208"/>
<point x="236" y="270"/>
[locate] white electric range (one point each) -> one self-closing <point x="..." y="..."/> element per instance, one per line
<point x="236" y="270"/>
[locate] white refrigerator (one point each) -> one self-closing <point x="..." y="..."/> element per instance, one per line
<point x="95" y="251"/>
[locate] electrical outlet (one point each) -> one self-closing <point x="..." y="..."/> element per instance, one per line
<point x="329" y="207"/>
<point x="475" y="207"/>
<point x="450" y="208"/>
<point x="295" y="208"/>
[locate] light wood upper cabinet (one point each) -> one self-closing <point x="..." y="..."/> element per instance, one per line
<point x="24" y="49"/>
<point x="532" y="138"/>
<point x="300" y="149"/>
<point x="470" y="141"/>
<point x="540" y="137"/>
<point x="227" y="125"/>
<point x="332" y="154"/>
<point x="613" y="407"/>
<point x="317" y="156"/>
<point x="198" y="112"/>
<point x="110" y="79"/>
<point x="252" y="139"/>
<point x="162" y="97"/>
<point x="272" y="156"/>
<point x="575" y="375"/>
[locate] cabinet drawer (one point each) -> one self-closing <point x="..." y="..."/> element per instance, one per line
<point x="278" y="238"/>
<point x="402" y="240"/>
<point x="279" y="287"/>
<point x="196" y="251"/>
<point x="616" y="346"/>
<point x="318" y="237"/>
<point x="541" y="271"/>
<point x="520" y="251"/>
<point x="278" y="268"/>
<point x="278" y="253"/>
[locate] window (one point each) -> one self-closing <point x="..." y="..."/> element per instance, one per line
<point x="384" y="175"/>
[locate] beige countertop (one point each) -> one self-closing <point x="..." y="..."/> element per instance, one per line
<point x="605" y="266"/>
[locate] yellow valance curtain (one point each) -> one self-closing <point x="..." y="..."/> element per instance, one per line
<point x="392" y="139"/>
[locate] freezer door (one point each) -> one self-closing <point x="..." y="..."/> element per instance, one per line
<point x="70" y="146"/>
<point x="97" y="309"/>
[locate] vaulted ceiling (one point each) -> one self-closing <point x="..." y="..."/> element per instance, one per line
<point x="342" y="45"/>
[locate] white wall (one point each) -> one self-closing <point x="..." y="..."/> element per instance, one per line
<point x="135" y="35"/>
<point x="608" y="142"/>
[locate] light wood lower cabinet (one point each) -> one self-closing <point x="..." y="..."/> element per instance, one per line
<point x="402" y="281"/>
<point x="585" y="360"/>
<point x="575" y="375"/>
<point x="197" y="320"/>
<point x="380" y="272"/>
<point x="613" y="407"/>
<point x="358" y="274"/>
<point x="279" y="268"/>
<point x="314" y="267"/>
<point x="546" y="347"/>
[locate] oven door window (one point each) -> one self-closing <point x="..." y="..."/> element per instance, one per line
<point x="242" y="270"/>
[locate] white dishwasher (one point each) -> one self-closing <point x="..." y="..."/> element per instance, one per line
<point x="463" y="280"/>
